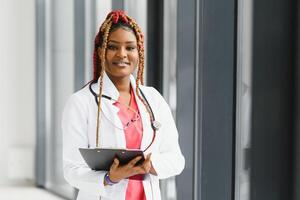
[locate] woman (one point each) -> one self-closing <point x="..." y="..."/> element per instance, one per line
<point x="131" y="116"/>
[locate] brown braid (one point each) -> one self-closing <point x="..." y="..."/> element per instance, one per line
<point x="116" y="17"/>
<point x="102" y="58"/>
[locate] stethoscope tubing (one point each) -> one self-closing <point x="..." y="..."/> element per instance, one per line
<point x="143" y="95"/>
<point x="109" y="98"/>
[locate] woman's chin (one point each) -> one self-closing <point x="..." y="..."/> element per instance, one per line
<point x="119" y="74"/>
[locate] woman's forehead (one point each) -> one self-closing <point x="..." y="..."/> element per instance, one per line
<point x="122" y="35"/>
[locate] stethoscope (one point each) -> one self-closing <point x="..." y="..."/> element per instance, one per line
<point x="155" y="125"/>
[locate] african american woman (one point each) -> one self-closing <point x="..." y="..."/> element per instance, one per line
<point x="132" y="116"/>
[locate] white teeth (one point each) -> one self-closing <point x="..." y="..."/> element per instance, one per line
<point x="121" y="63"/>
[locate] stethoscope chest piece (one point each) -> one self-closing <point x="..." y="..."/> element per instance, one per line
<point x="156" y="125"/>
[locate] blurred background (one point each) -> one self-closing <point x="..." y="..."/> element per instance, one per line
<point x="230" y="71"/>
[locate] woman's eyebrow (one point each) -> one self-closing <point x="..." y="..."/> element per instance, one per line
<point x="114" y="41"/>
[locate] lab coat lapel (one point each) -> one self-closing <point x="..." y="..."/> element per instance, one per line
<point x="110" y="112"/>
<point x="147" y="130"/>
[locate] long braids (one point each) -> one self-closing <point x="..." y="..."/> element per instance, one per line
<point x="105" y="28"/>
<point x="140" y="72"/>
<point x="101" y="40"/>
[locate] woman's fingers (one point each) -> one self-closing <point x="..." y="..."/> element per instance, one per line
<point x="148" y="157"/>
<point x="142" y="169"/>
<point x="114" y="175"/>
<point x="145" y="167"/>
<point x="139" y="170"/>
<point x="132" y="168"/>
<point x="147" y="163"/>
<point x="115" y="164"/>
<point x="134" y="161"/>
<point x="119" y="172"/>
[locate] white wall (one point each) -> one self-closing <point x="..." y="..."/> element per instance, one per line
<point x="17" y="98"/>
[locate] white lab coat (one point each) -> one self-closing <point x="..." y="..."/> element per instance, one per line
<point x="79" y="131"/>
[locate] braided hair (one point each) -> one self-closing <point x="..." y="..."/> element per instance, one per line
<point x="115" y="20"/>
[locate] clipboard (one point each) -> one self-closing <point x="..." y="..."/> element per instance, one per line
<point x="101" y="159"/>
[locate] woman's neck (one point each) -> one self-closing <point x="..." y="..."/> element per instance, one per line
<point x="122" y="84"/>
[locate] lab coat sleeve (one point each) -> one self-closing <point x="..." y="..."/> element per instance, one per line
<point x="168" y="161"/>
<point x="76" y="171"/>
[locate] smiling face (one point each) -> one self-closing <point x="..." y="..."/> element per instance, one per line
<point x="121" y="54"/>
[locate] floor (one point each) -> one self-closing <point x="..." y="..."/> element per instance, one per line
<point x="26" y="193"/>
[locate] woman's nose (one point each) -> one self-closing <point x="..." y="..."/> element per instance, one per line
<point x="122" y="52"/>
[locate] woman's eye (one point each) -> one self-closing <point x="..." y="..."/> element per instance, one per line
<point x="130" y="48"/>
<point x="112" y="47"/>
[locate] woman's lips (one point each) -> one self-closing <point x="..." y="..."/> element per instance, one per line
<point x="121" y="63"/>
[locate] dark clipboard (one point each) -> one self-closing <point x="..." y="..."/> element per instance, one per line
<point x="101" y="159"/>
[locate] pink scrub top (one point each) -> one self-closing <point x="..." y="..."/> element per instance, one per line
<point x="133" y="129"/>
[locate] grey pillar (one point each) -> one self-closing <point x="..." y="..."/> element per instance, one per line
<point x="206" y="61"/>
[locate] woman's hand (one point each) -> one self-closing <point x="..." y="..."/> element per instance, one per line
<point x="117" y="172"/>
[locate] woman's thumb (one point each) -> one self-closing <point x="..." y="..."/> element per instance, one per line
<point x="115" y="163"/>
